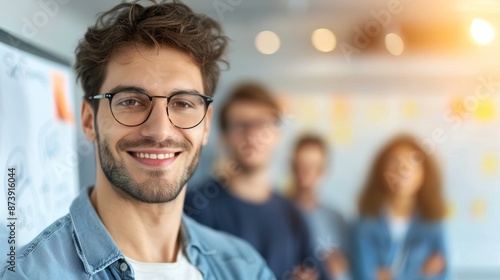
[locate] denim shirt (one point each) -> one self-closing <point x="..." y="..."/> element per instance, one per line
<point x="373" y="248"/>
<point x="78" y="246"/>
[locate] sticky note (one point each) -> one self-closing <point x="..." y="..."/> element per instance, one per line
<point x="485" y="110"/>
<point x="341" y="135"/>
<point x="490" y="165"/>
<point x="410" y="110"/>
<point x="341" y="109"/>
<point x="450" y="210"/>
<point x="63" y="106"/>
<point x="478" y="209"/>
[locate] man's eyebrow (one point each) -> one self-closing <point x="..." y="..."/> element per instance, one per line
<point x="189" y="91"/>
<point x="127" y="88"/>
<point x="120" y="88"/>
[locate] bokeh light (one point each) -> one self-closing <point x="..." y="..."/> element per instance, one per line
<point x="267" y="42"/>
<point x="323" y="40"/>
<point x="394" y="44"/>
<point x="482" y="31"/>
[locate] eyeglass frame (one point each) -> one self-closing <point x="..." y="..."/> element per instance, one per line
<point x="109" y="95"/>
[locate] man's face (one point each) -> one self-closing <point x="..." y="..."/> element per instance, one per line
<point x="252" y="134"/>
<point x="150" y="162"/>
<point x="309" y="166"/>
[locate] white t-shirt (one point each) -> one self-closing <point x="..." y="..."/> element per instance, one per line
<point x="398" y="229"/>
<point x="180" y="269"/>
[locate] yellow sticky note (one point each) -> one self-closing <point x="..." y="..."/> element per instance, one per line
<point x="485" y="110"/>
<point x="410" y="110"/>
<point x="457" y="107"/>
<point x="478" y="209"/>
<point x="490" y="165"/>
<point x="341" y="135"/>
<point x="341" y="109"/>
<point x="450" y="210"/>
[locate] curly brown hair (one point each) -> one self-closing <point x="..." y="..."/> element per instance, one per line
<point x="430" y="203"/>
<point x="163" y="23"/>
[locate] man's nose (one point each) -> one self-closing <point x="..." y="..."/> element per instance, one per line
<point x="158" y="125"/>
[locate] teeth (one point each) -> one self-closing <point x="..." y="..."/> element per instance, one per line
<point x="154" y="156"/>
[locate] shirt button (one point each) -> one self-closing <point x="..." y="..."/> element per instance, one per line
<point x="123" y="267"/>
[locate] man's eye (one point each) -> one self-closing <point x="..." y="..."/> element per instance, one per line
<point x="181" y="104"/>
<point x="129" y="102"/>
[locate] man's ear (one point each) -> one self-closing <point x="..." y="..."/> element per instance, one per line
<point x="88" y="116"/>
<point x="208" y="121"/>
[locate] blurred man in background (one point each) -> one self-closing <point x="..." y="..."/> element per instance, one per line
<point x="243" y="203"/>
<point x="327" y="226"/>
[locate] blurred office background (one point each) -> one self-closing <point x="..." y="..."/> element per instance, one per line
<point x="358" y="72"/>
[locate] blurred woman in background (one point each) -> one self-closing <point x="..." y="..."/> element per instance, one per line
<point x="400" y="233"/>
<point x="326" y="226"/>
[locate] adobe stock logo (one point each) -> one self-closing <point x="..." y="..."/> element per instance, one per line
<point x="372" y="28"/>
<point x="48" y="9"/>
<point x="223" y="6"/>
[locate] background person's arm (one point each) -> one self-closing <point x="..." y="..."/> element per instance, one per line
<point x="437" y="265"/>
<point x="363" y="254"/>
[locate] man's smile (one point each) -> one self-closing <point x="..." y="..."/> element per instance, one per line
<point x="155" y="158"/>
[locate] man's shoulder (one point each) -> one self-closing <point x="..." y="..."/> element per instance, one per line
<point x="219" y="241"/>
<point x="46" y="253"/>
<point x="227" y="254"/>
<point x="223" y="243"/>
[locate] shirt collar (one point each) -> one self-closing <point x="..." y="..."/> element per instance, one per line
<point x="94" y="244"/>
<point x="97" y="249"/>
<point x="192" y="238"/>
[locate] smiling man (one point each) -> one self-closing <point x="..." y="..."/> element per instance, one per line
<point x="148" y="73"/>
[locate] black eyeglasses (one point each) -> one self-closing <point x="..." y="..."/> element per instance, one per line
<point x="132" y="107"/>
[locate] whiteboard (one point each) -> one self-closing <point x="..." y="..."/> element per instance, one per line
<point x="37" y="140"/>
